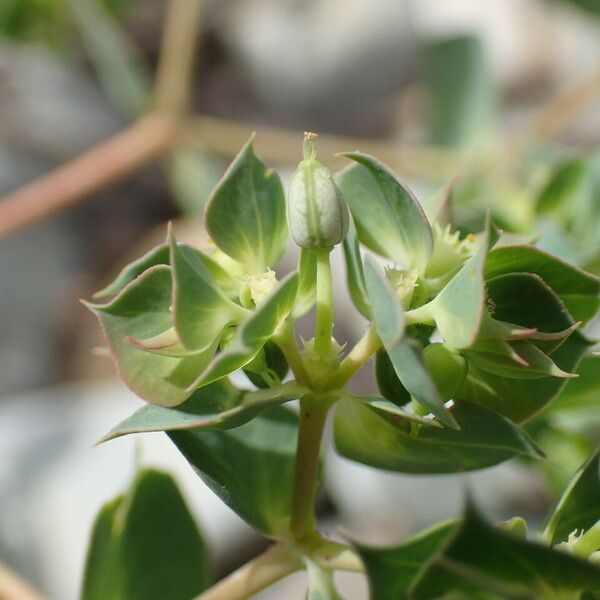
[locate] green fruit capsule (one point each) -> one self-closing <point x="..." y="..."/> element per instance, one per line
<point x="316" y="210"/>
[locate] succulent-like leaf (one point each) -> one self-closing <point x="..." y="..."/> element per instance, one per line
<point x="387" y="441"/>
<point x="245" y="215"/>
<point x="156" y="256"/>
<point x="392" y="570"/>
<point x="216" y="406"/>
<point x="577" y="289"/>
<point x="579" y="507"/>
<point x="388" y="318"/>
<point x="250" y="467"/>
<point x="253" y="333"/>
<point x="146" y="541"/>
<point x="307" y="283"/>
<point x="272" y="361"/>
<point x="355" y="276"/>
<point x="459" y="307"/>
<point x="388" y="382"/>
<point x="200" y="310"/>
<point x="483" y="558"/>
<point x="141" y="311"/>
<point x="388" y="217"/>
<point x="525" y="300"/>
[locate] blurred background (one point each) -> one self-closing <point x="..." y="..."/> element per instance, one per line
<point x="503" y="95"/>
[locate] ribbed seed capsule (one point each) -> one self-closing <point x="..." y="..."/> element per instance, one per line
<point x="316" y="210"/>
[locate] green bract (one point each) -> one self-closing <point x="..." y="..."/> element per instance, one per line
<point x="472" y="336"/>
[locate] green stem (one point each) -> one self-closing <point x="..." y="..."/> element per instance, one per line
<point x="324" y="320"/>
<point x="337" y="557"/>
<point x="358" y="357"/>
<point x="313" y="415"/>
<point x="286" y="340"/>
<point x="271" y="566"/>
<point x="589" y="542"/>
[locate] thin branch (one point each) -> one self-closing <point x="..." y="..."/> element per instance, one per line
<point x="13" y="587"/>
<point x="279" y="146"/>
<point x="271" y="566"/>
<point x="557" y="114"/>
<point x="178" y="50"/>
<point x="106" y="163"/>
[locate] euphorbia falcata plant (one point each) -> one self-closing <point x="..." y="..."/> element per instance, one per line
<point x="470" y="336"/>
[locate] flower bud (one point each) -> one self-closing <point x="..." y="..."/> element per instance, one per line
<point x="316" y="210"/>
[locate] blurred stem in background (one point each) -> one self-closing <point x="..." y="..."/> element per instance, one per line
<point x="176" y="132"/>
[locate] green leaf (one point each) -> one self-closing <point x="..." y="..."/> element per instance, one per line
<point x="577" y="289"/>
<point x="459" y="307"/>
<point x="245" y="215"/>
<point x="565" y="182"/>
<point x="307" y="283"/>
<point x="388" y="315"/>
<point x="387" y="441"/>
<point x="579" y="507"/>
<point x="388" y="318"/>
<point x="392" y="570"/>
<point x="273" y="366"/>
<point x="355" y="276"/>
<point x="141" y="311"/>
<point x="146" y="541"/>
<point x="580" y="396"/>
<point x="388" y="383"/>
<point x="156" y="256"/>
<point x="200" y="310"/>
<point x="447" y="369"/>
<point x="251" y="468"/>
<point x="253" y="333"/>
<point x="480" y="557"/>
<point x="524" y="299"/>
<point x="120" y="70"/>
<point x="216" y="406"/>
<point x="388" y="217"/>
<point x="461" y="91"/>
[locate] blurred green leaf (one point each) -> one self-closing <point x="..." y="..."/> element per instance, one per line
<point x="253" y="333"/>
<point x="392" y="570"/>
<point x="250" y="467"/>
<point x="245" y="215"/>
<point x="122" y="73"/>
<point x="580" y="398"/>
<point x="216" y="406"/>
<point x="462" y="95"/>
<point x="388" y="218"/>
<point x="403" y="353"/>
<point x="564" y="183"/>
<point x="577" y="289"/>
<point x="192" y="176"/>
<point x="579" y="507"/>
<point x="141" y="311"/>
<point x="200" y="310"/>
<point x="480" y="557"/>
<point x="386" y="441"/>
<point x="146" y="541"/>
